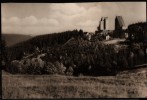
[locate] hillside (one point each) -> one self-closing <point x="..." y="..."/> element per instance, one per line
<point x="83" y="56"/>
<point x="76" y="54"/>
<point x="12" y="39"/>
<point x="42" y="42"/>
<point x="124" y="85"/>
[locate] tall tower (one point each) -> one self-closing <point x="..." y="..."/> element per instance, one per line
<point x="103" y="23"/>
<point x="119" y="23"/>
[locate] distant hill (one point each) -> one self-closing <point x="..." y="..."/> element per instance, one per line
<point x="12" y="39"/>
<point x="42" y="42"/>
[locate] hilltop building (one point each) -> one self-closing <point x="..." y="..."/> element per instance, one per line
<point x="118" y="32"/>
<point x="103" y="23"/>
<point x="102" y="30"/>
<point x="119" y="23"/>
<point x="120" y="28"/>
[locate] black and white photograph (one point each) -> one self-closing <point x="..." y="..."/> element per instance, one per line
<point x="74" y="50"/>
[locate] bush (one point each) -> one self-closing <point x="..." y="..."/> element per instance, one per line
<point x="50" y="68"/>
<point x="36" y="66"/>
<point x="60" y="67"/>
<point x="26" y="63"/>
<point x="70" y="71"/>
<point x="15" y="67"/>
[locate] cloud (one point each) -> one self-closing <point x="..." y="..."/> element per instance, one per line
<point x="29" y="25"/>
<point x="88" y="23"/>
<point x="48" y="18"/>
<point x="29" y="21"/>
<point x="12" y="21"/>
<point x="67" y="8"/>
<point x="73" y="16"/>
<point x="49" y="22"/>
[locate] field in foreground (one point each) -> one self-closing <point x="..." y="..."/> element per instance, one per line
<point x="129" y="84"/>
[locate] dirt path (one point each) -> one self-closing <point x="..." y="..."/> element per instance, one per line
<point x="114" y="41"/>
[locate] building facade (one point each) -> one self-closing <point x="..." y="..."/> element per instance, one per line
<point x="103" y="24"/>
<point x="120" y="27"/>
<point x="119" y="23"/>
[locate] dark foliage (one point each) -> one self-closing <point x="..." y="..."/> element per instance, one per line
<point x="137" y="32"/>
<point x="44" y="41"/>
<point x="50" y="68"/>
<point x="69" y="49"/>
<point x="3" y="54"/>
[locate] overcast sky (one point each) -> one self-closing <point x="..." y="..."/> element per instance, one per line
<point x="43" y="18"/>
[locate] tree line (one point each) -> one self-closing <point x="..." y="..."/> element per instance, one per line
<point x="75" y="54"/>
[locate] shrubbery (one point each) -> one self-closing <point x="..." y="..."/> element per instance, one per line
<point x="26" y="63"/>
<point x="54" y="68"/>
<point x="16" y="67"/>
<point x="36" y="66"/>
<point x="70" y="71"/>
<point x="60" y="67"/>
<point x="90" y="58"/>
<point x="50" y="68"/>
<point x="103" y="59"/>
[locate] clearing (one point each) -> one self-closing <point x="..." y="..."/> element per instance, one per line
<point x="127" y="84"/>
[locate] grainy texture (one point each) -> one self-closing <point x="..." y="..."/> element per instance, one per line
<point x="129" y="84"/>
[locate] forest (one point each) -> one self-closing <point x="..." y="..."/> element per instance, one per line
<point x="69" y="53"/>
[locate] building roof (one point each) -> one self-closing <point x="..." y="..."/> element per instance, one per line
<point x="120" y="21"/>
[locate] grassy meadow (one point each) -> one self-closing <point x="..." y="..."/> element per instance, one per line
<point x="128" y="84"/>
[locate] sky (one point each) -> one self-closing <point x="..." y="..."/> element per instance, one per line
<point x="45" y="18"/>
